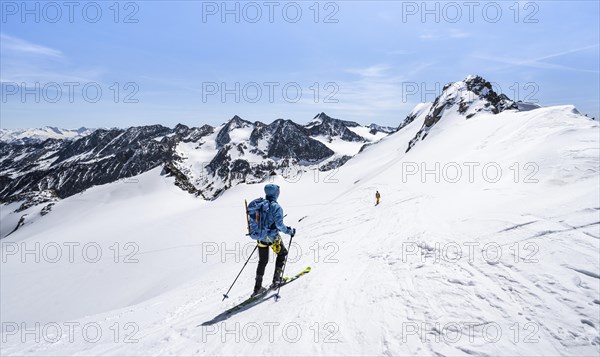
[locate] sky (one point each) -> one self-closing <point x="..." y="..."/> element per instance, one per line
<point x="120" y="64"/>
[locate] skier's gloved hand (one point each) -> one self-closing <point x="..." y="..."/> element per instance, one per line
<point x="292" y="231"/>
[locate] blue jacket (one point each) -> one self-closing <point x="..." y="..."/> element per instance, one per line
<point x="275" y="217"/>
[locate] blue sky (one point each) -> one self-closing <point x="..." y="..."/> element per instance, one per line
<point x="179" y="62"/>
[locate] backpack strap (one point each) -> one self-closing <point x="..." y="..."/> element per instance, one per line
<point x="271" y="204"/>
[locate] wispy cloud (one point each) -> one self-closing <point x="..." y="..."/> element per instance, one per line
<point x="427" y="36"/>
<point x="444" y="35"/>
<point x="14" y="44"/>
<point x="375" y="93"/>
<point x="375" y="71"/>
<point x="566" y="52"/>
<point x="539" y="61"/>
<point x="455" y="33"/>
<point x="26" y="62"/>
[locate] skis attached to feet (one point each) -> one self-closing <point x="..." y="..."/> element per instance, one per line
<point x="289" y="280"/>
<point x="265" y="291"/>
<point x="254" y="299"/>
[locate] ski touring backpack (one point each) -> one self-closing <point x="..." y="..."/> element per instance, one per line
<point x="256" y="214"/>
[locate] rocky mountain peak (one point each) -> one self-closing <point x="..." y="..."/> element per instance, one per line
<point x="321" y="116"/>
<point x="223" y="138"/>
<point x="237" y="122"/>
<point x="468" y="98"/>
<point x="181" y="128"/>
<point x="328" y="127"/>
<point x="375" y="128"/>
<point x="195" y="134"/>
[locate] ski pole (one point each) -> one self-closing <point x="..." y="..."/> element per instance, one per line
<point x="283" y="268"/>
<point x="225" y="296"/>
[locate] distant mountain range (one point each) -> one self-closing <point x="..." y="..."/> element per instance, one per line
<point x="30" y="136"/>
<point x="40" y="165"/>
<point x="51" y="163"/>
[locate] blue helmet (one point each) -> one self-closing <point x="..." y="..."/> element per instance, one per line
<point x="272" y="192"/>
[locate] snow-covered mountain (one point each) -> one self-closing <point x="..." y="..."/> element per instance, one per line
<point x="466" y="98"/>
<point x="205" y="160"/>
<point x="485" y="242"/>
<point x="37" y="135"/>
<point x="67" y="167"/>
<point x="240" y="151"/>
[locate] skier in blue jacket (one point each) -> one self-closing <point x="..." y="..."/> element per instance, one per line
<point x="273" y="240"/>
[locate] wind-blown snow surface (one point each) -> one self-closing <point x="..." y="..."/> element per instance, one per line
<point x="386" y="280"/>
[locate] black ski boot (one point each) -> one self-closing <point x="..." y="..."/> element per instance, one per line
<point x="277" y="278"/>
<point x="258" y="288"/>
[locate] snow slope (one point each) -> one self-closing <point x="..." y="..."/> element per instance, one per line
<point x="386" y="280"/>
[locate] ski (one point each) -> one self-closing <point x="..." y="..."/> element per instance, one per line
<point x="292" y="278"/>
<point x="254" y="300"/>
<point x="260" y="295"/>
<point x="248" y="301"/>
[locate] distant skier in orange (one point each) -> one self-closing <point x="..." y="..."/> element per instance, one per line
<point x="377" y="197"/>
